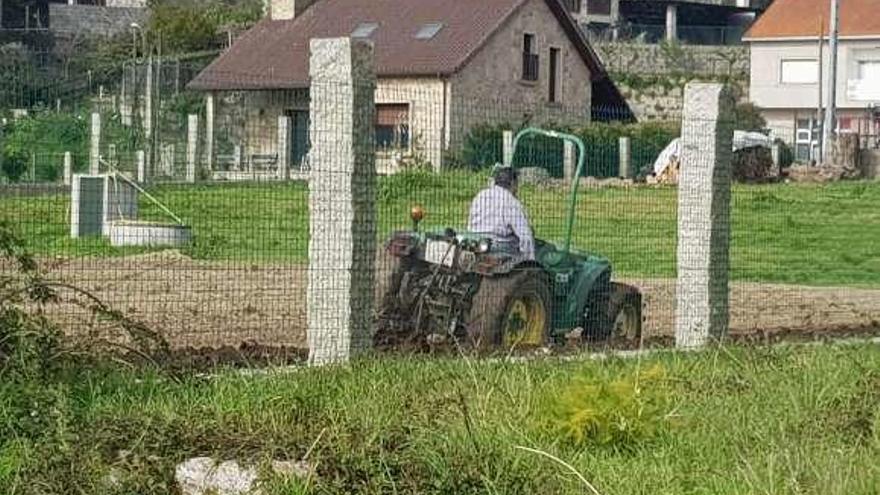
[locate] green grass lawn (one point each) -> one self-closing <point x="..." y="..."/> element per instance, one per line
<point x="806" y="234"/>
<point x="728" y="421"/>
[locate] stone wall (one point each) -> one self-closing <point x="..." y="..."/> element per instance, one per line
<point x="638" y="58"/>
<point x="662" y="97"/>
<point x="90" y="20"/>
<point x="652" y="77"/>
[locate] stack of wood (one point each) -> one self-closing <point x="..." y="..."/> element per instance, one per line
<point x="844" y="163"/>
<point x="753" y="164"/>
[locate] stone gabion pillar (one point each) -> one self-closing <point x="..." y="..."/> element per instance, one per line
<point x="342" y="199"/>
<point x="702" y="293"/>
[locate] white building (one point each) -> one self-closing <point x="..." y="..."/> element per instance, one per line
<point x="786" y="67"/>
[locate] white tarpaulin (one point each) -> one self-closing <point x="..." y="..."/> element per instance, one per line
<point x="741" y="140"/>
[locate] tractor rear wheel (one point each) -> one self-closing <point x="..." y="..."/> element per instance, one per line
<point x="511" y="311"/>
<point x="595" y="316"/>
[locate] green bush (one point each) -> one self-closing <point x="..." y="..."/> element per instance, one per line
<point x="48" y="135"/>
<point x="482" y="147"/>
<point x="197" y="25"/>
<point x="747" y="117"/>
<point x="614" y="411"/>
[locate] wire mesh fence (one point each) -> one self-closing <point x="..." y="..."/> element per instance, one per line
<point x="220" y="183"/>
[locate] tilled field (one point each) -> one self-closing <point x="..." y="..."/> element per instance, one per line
<point x="214" y="304"/>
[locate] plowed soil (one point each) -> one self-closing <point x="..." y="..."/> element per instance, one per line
<point x="216" y="304"/>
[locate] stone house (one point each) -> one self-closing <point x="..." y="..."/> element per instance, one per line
<point x="788" y="72"/>
<point x="443" y="66"/>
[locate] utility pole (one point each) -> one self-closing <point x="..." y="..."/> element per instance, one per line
<point x="830" y="111"/>
<point x="819" y="108"/>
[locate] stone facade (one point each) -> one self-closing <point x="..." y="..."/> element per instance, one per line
<point x="490" y="88"/>
<point x="661" y="98"/>
<point x="640" y="58"/>
<point x="282" y="10"/>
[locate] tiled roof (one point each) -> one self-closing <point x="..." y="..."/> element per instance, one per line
<point x="274" y="54"/>
<point x="805" y="18"/>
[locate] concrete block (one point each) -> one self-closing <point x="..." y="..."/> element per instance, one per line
<point x="209" y="131"/>
<point x="67" y="175"/>
<point x="702" y="292"/>
<point x="507" y="147"/>
<point x="625" y="148"/>
<point x="192" y="146"/>
<point x="342" y="199"/>
<point x="86" y="205"/>
<point x="141" y="159"/>
<point x="95" y="147"/>
<point x="569" y="160"/>
<point x="283" y="147"/>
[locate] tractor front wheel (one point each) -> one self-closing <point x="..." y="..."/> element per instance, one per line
<point x="392" y="319"/>
<point x="511" y="311"/>
<point x="625" y="312"/>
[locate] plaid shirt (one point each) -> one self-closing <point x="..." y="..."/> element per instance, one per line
<point x="497" y="213"/>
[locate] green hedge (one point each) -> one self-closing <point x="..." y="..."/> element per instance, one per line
<point x="482" y="147"/>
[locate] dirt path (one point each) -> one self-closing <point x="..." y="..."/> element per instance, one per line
<point x="770" y="307"/>
<point x="212" y="304"/>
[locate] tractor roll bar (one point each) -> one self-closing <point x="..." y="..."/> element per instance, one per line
<point x="575" y="182"/>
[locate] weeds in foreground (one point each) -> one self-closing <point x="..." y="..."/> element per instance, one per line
<point x="621" y="412"/>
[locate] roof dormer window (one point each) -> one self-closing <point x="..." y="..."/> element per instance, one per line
<point x="364" y="30"/>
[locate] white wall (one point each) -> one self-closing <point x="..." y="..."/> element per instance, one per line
<point x="767" y="91"/>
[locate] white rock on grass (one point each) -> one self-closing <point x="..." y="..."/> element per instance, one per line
<point x="203" y="476"/>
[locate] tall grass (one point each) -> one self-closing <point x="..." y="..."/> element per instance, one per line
<point x="732" y="421"/>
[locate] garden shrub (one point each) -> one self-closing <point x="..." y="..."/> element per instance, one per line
<point x="482" y="147"/>
<point x="50" y="135"/>
<point x="613" y="411"/>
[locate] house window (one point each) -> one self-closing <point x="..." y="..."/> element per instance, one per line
<point x="802" y="71"/>
<point x="808" y="132"/>
<point x="392" y="126"/>
<point x="869" y="71"/>
<point x="599" y="7"/>
<point x="553" y="94"/>
<point x="574" y="6"/>
<point x="530" y="58"/>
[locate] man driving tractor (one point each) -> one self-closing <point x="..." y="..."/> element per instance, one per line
<point x="496" y="212"/>
<point x="494" y="285"/>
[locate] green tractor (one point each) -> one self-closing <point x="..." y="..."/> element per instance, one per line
<point x="449" y="286"/>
